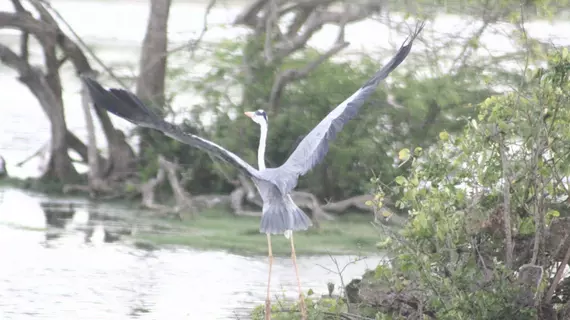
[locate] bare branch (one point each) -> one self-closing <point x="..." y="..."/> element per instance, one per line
<point x="71" y="49"/>
<point x="270" y="23"/>
<point x="193" y="44"/>
<point x="317" y="19"/>
<point x="290" y="75"/>
<point x="18" y="6"/>
<point x="300" y="18"/>
<point x="248" y="16"/>
<point x="558" y="276"/>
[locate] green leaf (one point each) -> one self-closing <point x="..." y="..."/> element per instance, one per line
<point x="384" y="244"/>
<point x="401" y="180"/>
<point x="444" y="135"/>
<point x="474" y="124"/>
<point x="404" y="154"/>
<point x="553" y="213"/>
<point x="418" y="151"/>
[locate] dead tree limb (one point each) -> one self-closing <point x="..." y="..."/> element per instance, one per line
<point x="148" y="188"/>
<point x="60" y="165"/>
<point x="182" y="197"/>
<point x="265" y="17"/>
<point x="48" y="34"/>
<point x="121" y="157"/>
<point x="557" y="277"/>
<point x="291" y="75"/>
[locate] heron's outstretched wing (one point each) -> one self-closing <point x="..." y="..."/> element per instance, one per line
<point x="313" y="148"/>
<point x="129" y="107"/>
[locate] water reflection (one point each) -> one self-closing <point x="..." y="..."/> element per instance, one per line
<point x="78" y="268"/>
<point x="21" y="210"/>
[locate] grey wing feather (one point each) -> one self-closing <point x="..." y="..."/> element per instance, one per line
<point x="129" y="107"/>
<point x="314" y="147"/>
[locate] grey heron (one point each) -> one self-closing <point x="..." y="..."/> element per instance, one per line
<point x="280" y="215"/>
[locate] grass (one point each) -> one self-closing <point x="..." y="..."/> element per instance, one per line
<point x="216" y="229"/>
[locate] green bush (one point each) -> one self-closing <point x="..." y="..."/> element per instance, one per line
<point x="453" y="249"/>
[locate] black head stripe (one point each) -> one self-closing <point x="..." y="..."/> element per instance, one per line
<point x="261" y="113"/>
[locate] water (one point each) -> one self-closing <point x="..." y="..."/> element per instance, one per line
<point x="76" y="273"/>
<point x="54" y="269"/>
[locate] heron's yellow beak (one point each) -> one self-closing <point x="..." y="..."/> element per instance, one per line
<point x="249" y="114"/>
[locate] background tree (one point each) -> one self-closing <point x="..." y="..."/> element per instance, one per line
<point x="46" y="85"/>
<point x="273" y="68"/>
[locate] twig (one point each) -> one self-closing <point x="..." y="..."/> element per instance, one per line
<point x="290" y="75"/>
<point x="339" y="271"/>
<point x="193" y="44"/>
<point x="81" y="42"/>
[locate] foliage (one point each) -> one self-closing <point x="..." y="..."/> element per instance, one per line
<point x="514" y="155"/>
<point x="317" y="309"/>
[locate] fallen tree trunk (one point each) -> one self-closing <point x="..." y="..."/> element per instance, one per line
<point x="356" y="202"/>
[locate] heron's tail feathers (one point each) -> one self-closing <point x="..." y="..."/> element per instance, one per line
<point x="280" y="216"/>
<point x="121" y="103"/>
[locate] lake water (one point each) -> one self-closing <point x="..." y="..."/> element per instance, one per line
<point x="71" y="271"/>
<point x="59" y="273"/>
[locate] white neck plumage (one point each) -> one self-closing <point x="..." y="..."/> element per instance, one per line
<point x="261" y="149"/>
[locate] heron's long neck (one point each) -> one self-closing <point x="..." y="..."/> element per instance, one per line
<point x="261" y="149"/>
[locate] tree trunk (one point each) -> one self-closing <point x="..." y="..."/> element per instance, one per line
<point x="94" y="175"/>
<point x="59" y="166"/>
<point x="152" y="65"/>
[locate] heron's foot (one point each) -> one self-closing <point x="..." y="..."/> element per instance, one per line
<point x="267" y="309"/>
<point x="303" y="307"/>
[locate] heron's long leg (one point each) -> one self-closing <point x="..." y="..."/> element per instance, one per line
<point x="301" y="299"/>
<point x="268" y="299"/>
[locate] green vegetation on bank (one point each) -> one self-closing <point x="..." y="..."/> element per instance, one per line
<point x="216" y="229"/>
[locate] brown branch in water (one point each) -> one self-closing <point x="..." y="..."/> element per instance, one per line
<point x="166" y="171"/>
